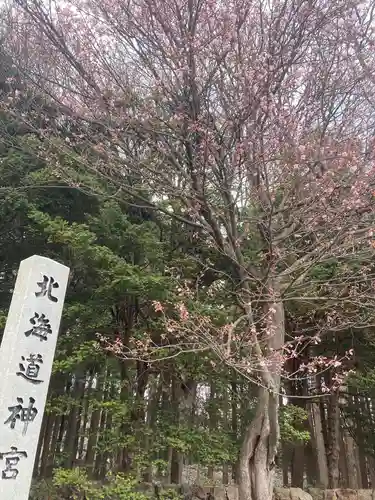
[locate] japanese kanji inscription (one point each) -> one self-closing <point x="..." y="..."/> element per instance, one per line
<point x="41" y="327"/>
<point x="26" y="357"/>
<point x="21" y="413"/>
<point x="11" y="458"/>
<point x="46" y="287"/>
<point x="29" y="368"/>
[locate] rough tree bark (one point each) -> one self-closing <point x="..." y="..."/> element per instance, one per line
<point x="256" y="464"/>
<point x="95" y="423"/>
<point x="363" y="459"/>
<point x="259" y="448"/>
<point x="234" y="424"/>
<point x="184" y="397"/>
<point x="343" y="465"/>
<point x="333" y="454"/>
<point x="155" y="390"/>
<point x="316" y="427"/>
<point x="226" y="427"/>
<point x="371" y="462"/>
<point x="44" y="441"/>
<point x="311" y="465"/>
<point x="212" y="423"/>
<point x="72" y="430"/>
<point x="353" y="476"/>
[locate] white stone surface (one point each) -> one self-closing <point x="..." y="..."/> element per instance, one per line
<point x="29" y="336"/>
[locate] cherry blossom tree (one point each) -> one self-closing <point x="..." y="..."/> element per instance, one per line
<point x="251" y="124"/>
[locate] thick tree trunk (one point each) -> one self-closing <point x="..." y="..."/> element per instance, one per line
<point x="363" y="463"/>
<point x="106" y="460"/>
<point x="316" y="427"/>
<point x="234" y="424"/>
<point x="92" y="441"/>
<point x="259" y="447"/>
<point x="126" y="312"/>
<point x="311" y="464"/>
<point x="70" y="447"/>
<point x="371" y="464"/>
<point x="183" y="398"/>
<point x="256" y="463"/>
<point x="50" y="433"/>
<point x="49" y="454"/>
<point x="285" y="464"/>
<point x="363" y="469"/>
<point x="334" y="441"/>
<point x="369" y="404"/>
<point x="352" y="473"/>
<point x="353" y="476"/>
<point x="343" y="463"/>
<point x="298" y="465"/>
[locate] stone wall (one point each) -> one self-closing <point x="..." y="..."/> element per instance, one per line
<point x="231" y="493"/>
<point x="319" y="494"/>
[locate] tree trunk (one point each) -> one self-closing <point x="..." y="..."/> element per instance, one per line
<point x="363" y="469"/>
<point x="369" y="403"/>
<point x="101" y="457"/>
<point x="311" y="464"/>
<point x="285" y="474"/>
<point x="51" y="446"/>
<point x="371" y="464"/>
<point x="175" y="455"/>
<point x="259" y="447"/>
<point x="298" y="465"/>
<point x="48" y="454"/>
<point x="350" y="453"/>
<point x="95" y="424"/>
<point x="344" y="460"/>
<point x="226" y="428"/>
<point x="185" y="394"/>
<point x="212" y="423"/>
<point x="126" y="312"/>
<point x="123" y="457"/>
<point x="70" y="448"/>
<point x="155" y="387"/>
<point x="256" y="463"/>
<point x="85" y="417"/>
<point x="234" y="403"/>
<point x="359" y="401"/>
<point x="334" y="441"/>
<point x="319" y="444"/>
<point x="44" y="439"/>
